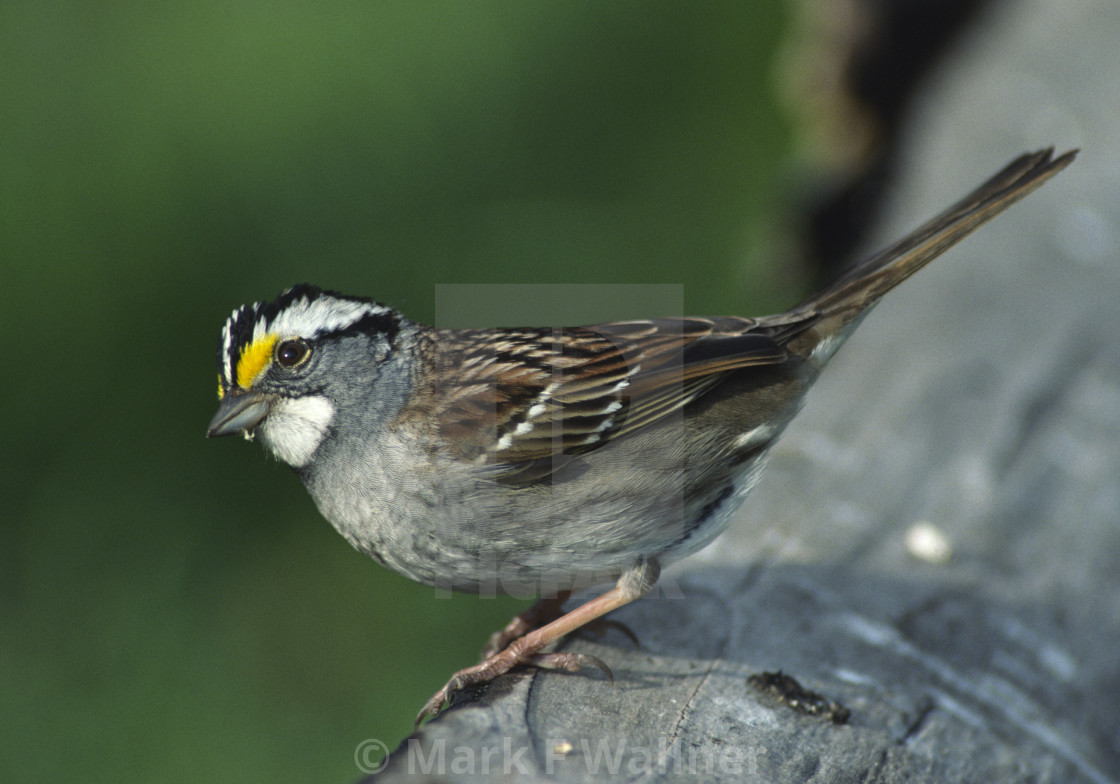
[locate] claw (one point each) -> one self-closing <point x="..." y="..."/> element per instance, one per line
<point x="600" y="626"/>
<point x="570" y="662"/>
<point x="431" y="708"/>
<point x="496" y="665"/>
<point x="500" y="664"/>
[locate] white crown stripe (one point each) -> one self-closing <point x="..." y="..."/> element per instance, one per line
<point x="227" y="345"/>
<point x="308" y="319"/>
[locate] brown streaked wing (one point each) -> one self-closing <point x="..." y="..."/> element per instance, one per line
<point x="684" y="358"/>
<point x="520" y="397"/>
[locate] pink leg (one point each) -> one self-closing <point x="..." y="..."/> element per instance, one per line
<point x="633" y="583"/>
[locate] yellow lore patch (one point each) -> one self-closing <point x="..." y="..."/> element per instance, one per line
<point x="254" y="358"/>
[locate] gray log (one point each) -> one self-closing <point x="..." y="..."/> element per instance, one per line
<point x="982" y="398"/>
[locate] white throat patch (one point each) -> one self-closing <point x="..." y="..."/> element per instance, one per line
<point x="295" y="427"/>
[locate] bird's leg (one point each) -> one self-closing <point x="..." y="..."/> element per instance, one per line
<point x="634" y="582"/>
<point x="543" y="611"/>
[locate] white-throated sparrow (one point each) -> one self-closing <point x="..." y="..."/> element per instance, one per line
<point x="547" y="459"/>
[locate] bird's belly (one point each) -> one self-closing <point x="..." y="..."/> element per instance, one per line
<point x="539" y="540"/>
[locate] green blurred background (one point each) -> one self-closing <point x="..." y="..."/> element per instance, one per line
<point x="175" y="609"/>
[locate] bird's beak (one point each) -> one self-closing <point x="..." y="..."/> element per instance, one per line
<point x="238" y="414"/>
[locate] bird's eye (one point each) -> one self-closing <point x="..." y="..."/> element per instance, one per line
<point x="292" y="353"/>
